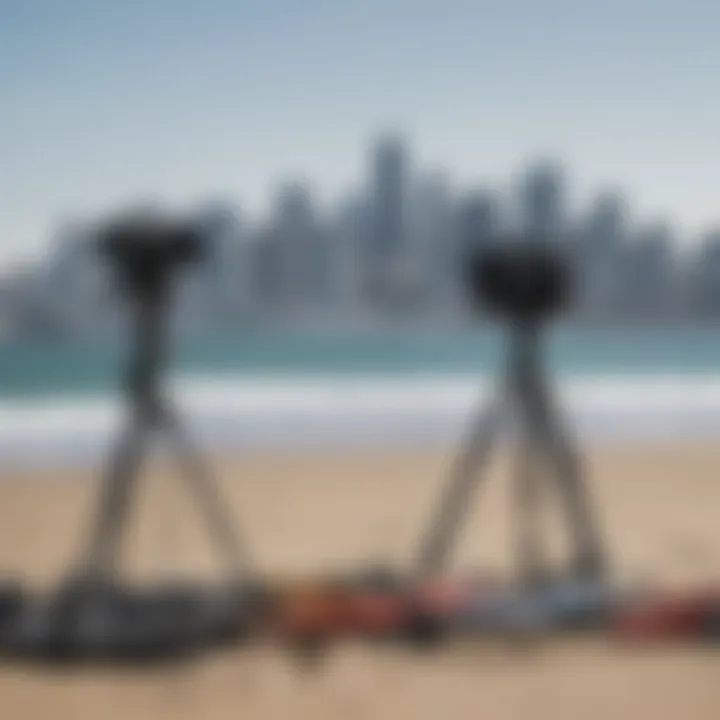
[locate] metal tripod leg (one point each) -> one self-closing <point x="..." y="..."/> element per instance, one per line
<point x="201" y="483"/>
<point x="101" y="554"/>
<point x="528" y="488"/>
<point x="464" y="479"/>
<point x="568" y="474"/>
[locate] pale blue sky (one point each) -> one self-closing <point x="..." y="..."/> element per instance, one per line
<point x="102" y="102"/>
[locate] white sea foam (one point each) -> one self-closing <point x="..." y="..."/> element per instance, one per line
<point x="293" y="411"/>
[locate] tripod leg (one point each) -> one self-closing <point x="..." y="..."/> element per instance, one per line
<point x="200" y="480"/>
<point x="528" y="497"/>
<point x="102" y="551"/>
<point x="463" y="479"/>
<point x="590" y="557"/>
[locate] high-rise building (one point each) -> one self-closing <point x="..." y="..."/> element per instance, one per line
<point x="266" y="280"/>
<point x="389" y="179"/>
<point x="71" y="281"/>
<point x="602" y="244"/>
<point x="292" y="223"/>
<point x="430" y="241"/>
<point x="648" y="272"/>
<point x="704" y="277"/>
<point x="384" y="259"/>
<point x="542" y="200"/>
<point x="606" y="226"/>
<point x="476" y="222"/>
<point x="216" y="292"/>
<point x="293" y="204"/>
<point x="478" y="219"/>
<point x="302" y="245"/>
<point x="350" y="229"/>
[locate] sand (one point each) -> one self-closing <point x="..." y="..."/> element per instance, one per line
<point x="659" y="506"/>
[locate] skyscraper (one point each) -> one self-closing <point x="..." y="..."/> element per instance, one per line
<point x="216" y="290"/>
<point x="301" y="244"/>
<point x="389" y="178"/>
<point x="477" y="219"/>
<point x="476" y="222"/>
<point x="350" y="227"/>
<point x="429" y="232"/>
<point x="704" y="277"/>
<point x="264" y="257"/>
<point x="384" y="257"/>
<point x="542" y="200"/>
<point x="293" y="206"/>
<point x="71" y="285"/>
<point x="602" y="244"/>
<point x="649" y="282"/>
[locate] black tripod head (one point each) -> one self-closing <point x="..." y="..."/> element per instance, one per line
<point x="147" y="252"/>
<point x="524" y="281"/>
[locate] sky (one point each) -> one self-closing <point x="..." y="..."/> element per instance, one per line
<point x="103" y="103"/>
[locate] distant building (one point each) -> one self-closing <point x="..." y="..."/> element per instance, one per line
<point x="431" y="244"/>
<point x="704" y="277"/>
<point x="542" y="200"/>
<point x="302" y="246"/>
<point x="477" y="219"/>
<point x="217" y="291"/>
<point x="476" y="223"/>
<point x="266" y="277"/>
<point x="350" y="230"/>
<point x="385" y="252"/>
<point x="602" y="241"/>
<point x="72" y="285"/>
<point x="389" y="189"/>
<point x="648" y="273"/>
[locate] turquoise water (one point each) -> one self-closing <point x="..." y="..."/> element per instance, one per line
<point x="32" y="370"/>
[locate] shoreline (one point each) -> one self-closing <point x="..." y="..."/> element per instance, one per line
<point x="32" y="372"/>
<point x="359" y="412"/>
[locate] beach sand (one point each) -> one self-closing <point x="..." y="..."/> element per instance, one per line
<point x="659" y="506"/>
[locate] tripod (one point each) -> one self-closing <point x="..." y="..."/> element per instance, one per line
<point x="151" y="412"/>
<point x="541" y="437"/>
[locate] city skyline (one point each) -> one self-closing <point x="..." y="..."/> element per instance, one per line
<point x="507" y="191"/>
<point x="104" y="104"/>
<point x="395" y="251"/>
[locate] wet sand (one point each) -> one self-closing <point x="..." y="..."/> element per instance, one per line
<point x="659" y="506"/>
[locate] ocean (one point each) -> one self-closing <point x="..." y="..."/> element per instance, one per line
<point x="60" y="402"/>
